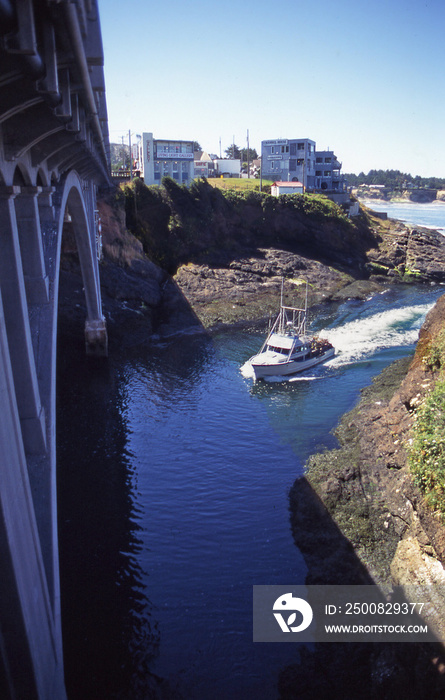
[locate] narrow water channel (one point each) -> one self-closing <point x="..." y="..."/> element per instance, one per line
<point x="174" y="473"/>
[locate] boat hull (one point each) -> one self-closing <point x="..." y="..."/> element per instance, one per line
<point x="283" y="369"/>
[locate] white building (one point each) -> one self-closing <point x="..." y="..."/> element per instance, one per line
<point x="161" y="157"/>
<point x="203" y="164"/>
<point x="286" y="188"/>
<point x="227" y="167"/>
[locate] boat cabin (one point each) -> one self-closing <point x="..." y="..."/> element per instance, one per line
<point x="290" y="347"/>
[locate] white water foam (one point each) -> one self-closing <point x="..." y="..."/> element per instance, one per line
<point x="359" y="339"/>
<point x="247" y="370"/>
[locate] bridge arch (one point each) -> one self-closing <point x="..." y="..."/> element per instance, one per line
<point x="73" y="213"/>
<point x="42" y="180"/>
<point x="21" y="176"/>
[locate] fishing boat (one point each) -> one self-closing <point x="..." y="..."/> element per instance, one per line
<point x="288" y="349"/>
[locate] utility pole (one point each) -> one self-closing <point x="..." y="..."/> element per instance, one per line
<point x="129" y="145"/>
<point x="248" y="155"/>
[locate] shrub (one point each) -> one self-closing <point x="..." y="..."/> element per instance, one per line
<point x="427" y="452"/>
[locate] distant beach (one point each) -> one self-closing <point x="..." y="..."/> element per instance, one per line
<point x="430" y="215"/>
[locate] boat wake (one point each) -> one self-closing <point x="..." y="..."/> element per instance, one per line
<point x="293" y="378"/>
<point x="247" y="370"/>
<point x="357" y="340"/>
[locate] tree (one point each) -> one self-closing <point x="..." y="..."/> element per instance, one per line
<point x="249" y="155"/>
<point x="196" y="146"/>
<point x="394" y="179"/>
<point x="233" y="152"/>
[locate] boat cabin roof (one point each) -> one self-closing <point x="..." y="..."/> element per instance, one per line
<point x="285" y="342"/>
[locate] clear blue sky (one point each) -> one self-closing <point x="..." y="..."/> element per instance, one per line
<point x="362" y="78"/>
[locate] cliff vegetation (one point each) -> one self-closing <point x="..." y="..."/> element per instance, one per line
<point x="427" y="450"/>
<point x="178" y="224"/>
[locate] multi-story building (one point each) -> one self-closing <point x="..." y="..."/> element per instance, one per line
<point x="161" y="157"/>
<point x="327" y="171"/>
<point x="292" y="160"/>
<point x="289" y="160"/>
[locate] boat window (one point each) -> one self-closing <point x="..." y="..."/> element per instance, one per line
<point x="282" y="351"/>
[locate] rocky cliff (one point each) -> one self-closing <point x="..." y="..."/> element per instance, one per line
<point x="228" y="252"/>
<point x="230" y="269"/>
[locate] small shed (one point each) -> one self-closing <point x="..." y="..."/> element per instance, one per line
<point x="286" y="188"/>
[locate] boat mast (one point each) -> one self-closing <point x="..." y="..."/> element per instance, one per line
<point x="282" y="312"/>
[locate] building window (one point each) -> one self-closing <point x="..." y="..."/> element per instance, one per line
<point x="319" y="160"/>
<point x="327" y="173"/>
<point x="292" y="165"/>
<point x="300" y="146"/>
<point x="293" y="149"/>
<point x="271" y="165"/>
<point x="272" y="149"/>
<point x="300" y="161"/>
<point x="318" y="173"/>
<point x="327" y="160"/>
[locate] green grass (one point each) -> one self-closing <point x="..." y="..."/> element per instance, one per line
<point x="238" y="183"/>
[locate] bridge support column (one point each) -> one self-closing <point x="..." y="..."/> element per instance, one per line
<point x="96" y="338"/>
<point x="12" y="287"/>
<point x="46" y="208"/>
<point x="28" y="224"/>
<point x="31" y="664"/>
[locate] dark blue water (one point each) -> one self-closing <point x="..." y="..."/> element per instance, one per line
<point x="183" y="473"/>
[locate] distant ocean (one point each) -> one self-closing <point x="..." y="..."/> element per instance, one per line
<point x="430" y="215"/>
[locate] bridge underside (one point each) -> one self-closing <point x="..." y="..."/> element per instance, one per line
<point x="53" y="157"/>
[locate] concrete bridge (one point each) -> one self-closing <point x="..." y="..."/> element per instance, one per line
<point x="54" y="155"/>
